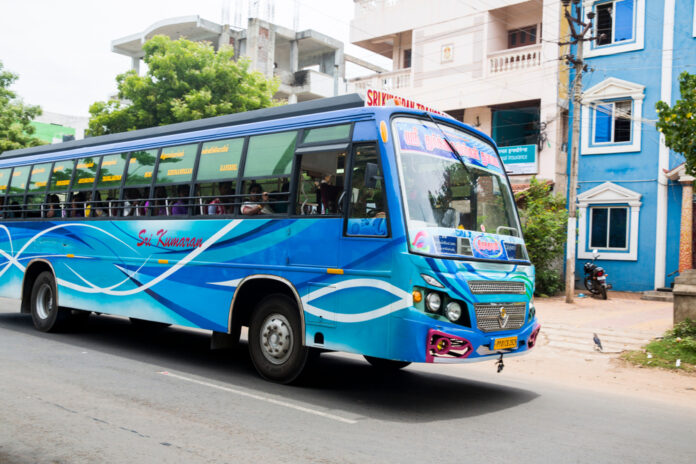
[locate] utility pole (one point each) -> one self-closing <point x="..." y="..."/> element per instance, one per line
<point x="577" y="37"/>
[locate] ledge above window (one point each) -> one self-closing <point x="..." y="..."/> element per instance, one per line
<point x="605" y="95"/>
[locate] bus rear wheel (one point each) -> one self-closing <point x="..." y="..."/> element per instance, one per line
<point x="45" y="313"/>
<point x="386" y="364"/>
<point x="275" y="340"/>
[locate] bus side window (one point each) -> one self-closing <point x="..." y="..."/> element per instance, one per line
<point x="58" y="187"/>
<point x="139" y="172"/>
<point x="81" y="189"/>
<point x="321" y="186"/>
<point x="36" y="192"/>
<point x="367" y="213"/>
<point x="4" y="180"/>
<point x="105" y="198"/>
<point x="216" y="177"/>
<point x="172" y="193"/>
<point x="18" y="185"/>
<point x="267" y="167"/>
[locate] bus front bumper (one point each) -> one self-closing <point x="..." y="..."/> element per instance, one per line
<point x="448" y="343"/>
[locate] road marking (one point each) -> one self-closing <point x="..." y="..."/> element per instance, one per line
<point x="263" y="398"/>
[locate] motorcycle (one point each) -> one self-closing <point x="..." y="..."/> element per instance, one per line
<point x="596" y="278"/>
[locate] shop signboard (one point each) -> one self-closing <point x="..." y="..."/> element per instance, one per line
<point x="520" y="159"/>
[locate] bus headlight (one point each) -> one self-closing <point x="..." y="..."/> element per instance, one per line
<point x="532" y="310"/>
<point x="432" y="281"/>
<point x="433" y="302"/>
<point x="453" y="311"/>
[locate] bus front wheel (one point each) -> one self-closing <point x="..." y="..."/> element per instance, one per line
<point x="45" y="313"/>
<point x="275" y="340"/>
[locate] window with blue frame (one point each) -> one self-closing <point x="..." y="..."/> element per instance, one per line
<point x="614" y="22"/>
<point x="612" y="122"/>
<point x="609" y="227"/>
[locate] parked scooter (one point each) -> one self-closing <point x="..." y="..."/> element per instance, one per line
<point x="596" y="278"/>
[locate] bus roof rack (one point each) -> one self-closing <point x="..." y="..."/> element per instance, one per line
<point x="322" y="105"/>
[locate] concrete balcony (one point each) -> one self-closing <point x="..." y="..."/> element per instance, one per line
<point x="306" y="84"/>
<point x="383" y="81"/>
<point x="515" y="59"/>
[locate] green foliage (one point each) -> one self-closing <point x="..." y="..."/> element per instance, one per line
<point x="185" y="80"/>
<point x="678" y="123"/>
<point x="683" y="329"/>
<point x="544" y="222"/>
<point x="678" y="343"/>
<point x="15" y="116"/>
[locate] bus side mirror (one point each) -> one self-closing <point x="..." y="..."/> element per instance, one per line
<point x="371" y="175"/>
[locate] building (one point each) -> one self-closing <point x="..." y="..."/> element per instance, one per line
<point x="57" y="128"/>
<point x="630" y="192"/>
<point x="308" y="64"/>
<point x="491" y="64"/>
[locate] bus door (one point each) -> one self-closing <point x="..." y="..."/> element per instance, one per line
<point x="366" y="256"/>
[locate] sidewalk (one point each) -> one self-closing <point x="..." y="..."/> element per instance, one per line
<point x="622" y="322"/>
<point x="565" y="354"/>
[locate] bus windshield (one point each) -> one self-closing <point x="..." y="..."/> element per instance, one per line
<point x="446" y="198"/>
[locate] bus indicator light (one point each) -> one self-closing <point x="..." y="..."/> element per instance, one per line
<point x="383" y="131"/>
<point x="417" y="296"/>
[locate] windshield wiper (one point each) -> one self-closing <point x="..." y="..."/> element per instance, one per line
<point x="454" y="150"/>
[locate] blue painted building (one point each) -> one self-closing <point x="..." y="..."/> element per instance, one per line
<point x="629" y="182"/>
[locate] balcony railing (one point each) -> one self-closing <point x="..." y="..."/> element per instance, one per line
<point x="514" y="59"/>
<point x="384" y="81"/>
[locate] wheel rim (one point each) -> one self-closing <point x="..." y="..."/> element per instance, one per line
<point x="44" y="301"/>
<point x="276" y="338"/>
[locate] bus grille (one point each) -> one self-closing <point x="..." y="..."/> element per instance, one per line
<point x="490" y="318"/>
<point x="486" y="287"/>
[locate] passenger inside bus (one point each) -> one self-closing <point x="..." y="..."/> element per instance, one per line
<point x="53" y="206"/>
<point x="158" y="206"/>
<point x="327" y="195"/>
<point x="95" y="208"/>
<point x="257" y="203"/>
<point x="78" y="205"/>
<point x="222" y="204"/>
<point x="180" y="206"/>
<point x="131" y="205"/>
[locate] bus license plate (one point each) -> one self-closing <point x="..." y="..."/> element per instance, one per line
<point x="505" y="343"/>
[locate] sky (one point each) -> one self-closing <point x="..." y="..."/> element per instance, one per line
<point x="61" y="50"/>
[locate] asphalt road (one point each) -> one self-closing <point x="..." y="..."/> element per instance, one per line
<point x="111" y="393"/>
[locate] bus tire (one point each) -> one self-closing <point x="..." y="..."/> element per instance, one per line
<point x="386" y="364"/>
<point x="45" y="313"/>
<point x="275" y="340"/>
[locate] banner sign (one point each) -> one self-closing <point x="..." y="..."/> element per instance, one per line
<point x="520" y="159"/>
<point x="425" y="138"/>
<point x="380" y="98"/>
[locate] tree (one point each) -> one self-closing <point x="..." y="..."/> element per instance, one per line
<point x="544" y="223"/>
<point x="678" y="123"/>
<point x="185" y="80"/>
<point x="15" y="117"/>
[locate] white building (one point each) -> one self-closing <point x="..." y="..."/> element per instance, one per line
<point x="491" y="64"/>
<point x="309" y="64"/>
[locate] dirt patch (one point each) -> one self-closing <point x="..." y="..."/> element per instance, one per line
<point x="598" y="372"/>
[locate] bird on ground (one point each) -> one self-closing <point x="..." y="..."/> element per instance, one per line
<point x="597" y="342"/>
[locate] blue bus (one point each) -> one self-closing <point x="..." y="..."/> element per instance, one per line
<point x="326" y="225"/>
